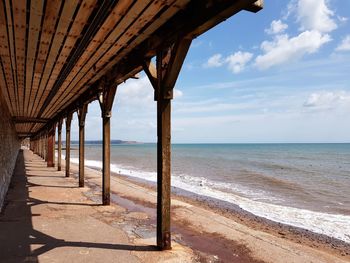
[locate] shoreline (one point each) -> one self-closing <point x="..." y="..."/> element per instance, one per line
<point x="236" y="213"/>
<point x="184" y="207"/>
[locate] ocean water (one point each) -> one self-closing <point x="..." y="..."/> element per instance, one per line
<point x="304" y="185"/>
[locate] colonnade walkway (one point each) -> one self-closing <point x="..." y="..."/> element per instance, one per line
<point x="48" y="218"/>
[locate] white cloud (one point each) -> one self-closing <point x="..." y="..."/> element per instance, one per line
<point x="315" y="15"/>
<point x="328" y="99"/>
<point x="237" y="61"/>
<point x="284" y="49"/>
<point x="345" y="44"/>
<point x="214" y="61"/>
<point x="342" y="19"/>
<point x="135" y="92"/>
<point x="276" y="27"/>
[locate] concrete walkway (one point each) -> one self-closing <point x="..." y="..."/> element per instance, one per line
<point x="47" y="218"/>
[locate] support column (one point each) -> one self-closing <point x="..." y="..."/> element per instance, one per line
<point x="68" y="123"/>
<point x="106" y="98"/>
<point x="42" y="146"/>
<point x="50" y="153"/>
<point x="81" y="115"/>
<point x="163" y="172"/>
<point x="59" y="157"/>
<point x="39" y="146"/>
<point x="163" y="78"/>
<point x="46" y="145"/>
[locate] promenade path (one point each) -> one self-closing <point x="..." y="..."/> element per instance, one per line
<point x="48" y="218"/>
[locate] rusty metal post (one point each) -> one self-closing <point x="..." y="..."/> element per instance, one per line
<point x="59" y="157"/>
<point x="81" y="154"/>
<point x="40" y="146"/>
<point x="163" y="172"/>
<point x="51" y="147"/>
<point x="106" y="98"/>
<point x="45" y="146"/>
<point x="106" y="156"/>
<point x="81" y="115"/>
<point x="163" y="77"/>
<point x="68" y="123"/>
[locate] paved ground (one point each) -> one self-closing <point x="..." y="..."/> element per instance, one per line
<point x="47" y="218"/>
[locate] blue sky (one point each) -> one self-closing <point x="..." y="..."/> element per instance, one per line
<point x="281" y="75"/>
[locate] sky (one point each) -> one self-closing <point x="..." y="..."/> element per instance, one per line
<point x="279" y="76"/>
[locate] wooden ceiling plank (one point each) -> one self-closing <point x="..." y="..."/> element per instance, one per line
<point x="107" y="27"/>
<point x="108" y="31"/>
<point x="81" y="19"/>
<point x="34" y="27"/>
<point x="20" y="16"/>
<point x="95" y="27"/>
<point x="57" y="42"/>
<point x="24" y="119"/>
<point x="197" y="27"/>
<point x="133" y="30"/>
<point x="6" y="72"/>
<point x="51" y="14"/>
<point x="143" y="36"/>
<point x="140" y="14"/>
<point x="146" y="33"/>
<point x="216" y="18"/>
<point x="12" y="54"/>
<point x="36" y="127"/>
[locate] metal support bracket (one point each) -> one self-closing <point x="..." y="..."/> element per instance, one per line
<point x="82" y="111"/>
<point x="105" y="97"/>
<point x="164" y="74"/>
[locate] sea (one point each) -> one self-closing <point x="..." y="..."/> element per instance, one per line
<point x="303" y="185"/>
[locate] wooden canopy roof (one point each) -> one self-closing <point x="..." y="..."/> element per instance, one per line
<point x="54" y="53"/>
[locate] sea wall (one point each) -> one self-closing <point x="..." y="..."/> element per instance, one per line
<point x="9" y="147"/>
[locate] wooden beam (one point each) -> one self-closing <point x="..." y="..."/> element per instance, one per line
<point x="22" y="119"/>
<point x="59" y="157"/>
<point x="102" y="13"/>
<point x="177" y="56"/>
<point x="68" y="124"/>
<point x="23" y="135"/>
<point x="151" y="72"/>
<point x="106" y="98"/>
<point x="82" y="110"/>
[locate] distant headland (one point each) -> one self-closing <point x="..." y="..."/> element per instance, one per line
<point x="100" y="142"/>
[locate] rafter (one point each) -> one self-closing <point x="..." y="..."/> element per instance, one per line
<point x="22" y="119"/>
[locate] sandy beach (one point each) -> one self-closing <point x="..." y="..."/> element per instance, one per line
<point x="217" y="234"/>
